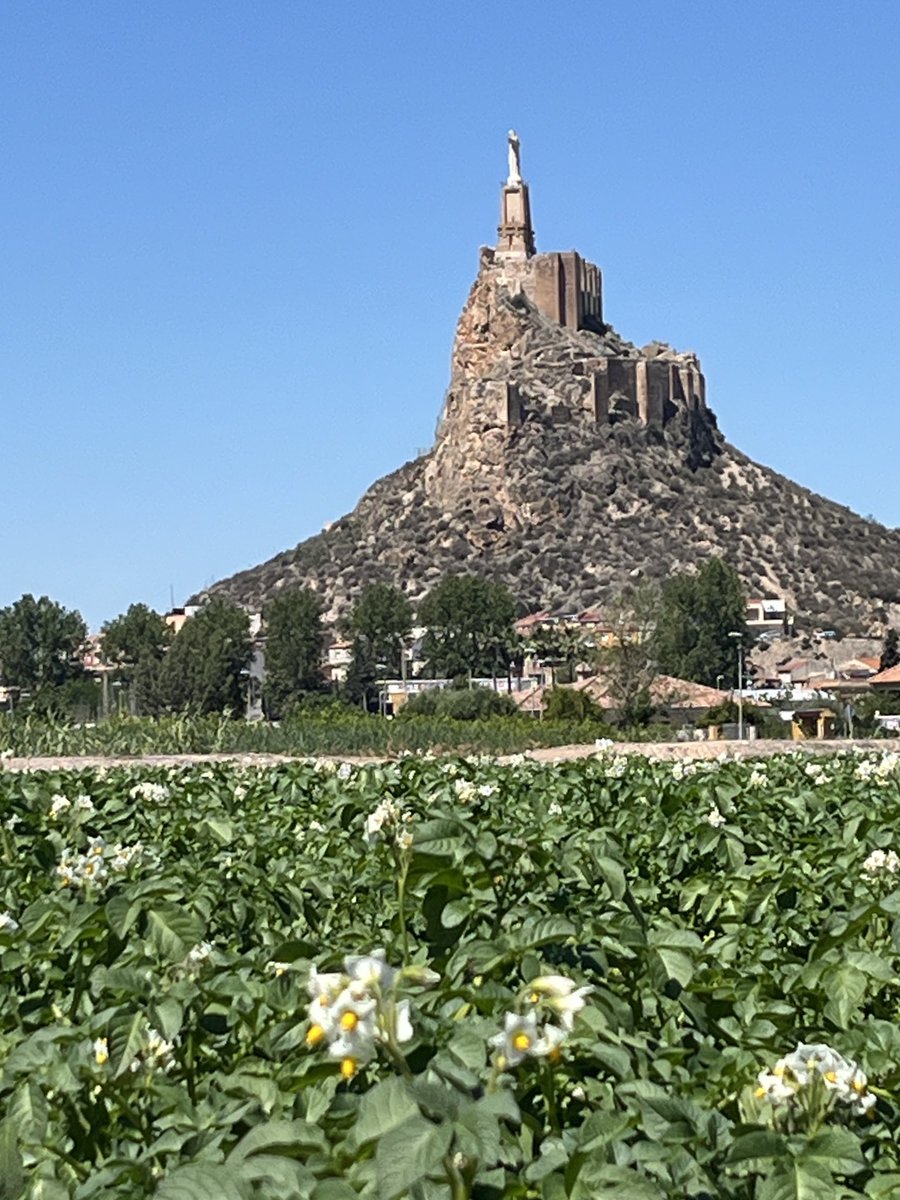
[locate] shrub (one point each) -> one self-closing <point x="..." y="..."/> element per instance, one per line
<point x="566" y="704"/>
<point x="465" y="704"/>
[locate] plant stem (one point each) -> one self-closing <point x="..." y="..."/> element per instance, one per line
<point x="402" y="863"/>
<point x="549" y="1089"/>
<point x="458" y="1188"/>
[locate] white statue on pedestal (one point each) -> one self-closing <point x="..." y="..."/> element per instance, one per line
<point x="515" y="169"/>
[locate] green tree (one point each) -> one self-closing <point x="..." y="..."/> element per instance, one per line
<point x="563" y="646"/>
<point x="470" y="627"/>
<point x="697" y="613"/>
<point x="567" y="704"/>
<point x="379" y="625"/>
<point x="293" y="649"/>
<point x="205" y="669"/>
<point x="628" y="660"/>
<point x="134" y="637"/>
<point x="40" y="642"/>
<point x="890" y="650"/>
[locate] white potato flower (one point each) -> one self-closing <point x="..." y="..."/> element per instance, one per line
<point x="816" y="1061"/>
<point x="198" y="955"/>
<point x="357" y="1009"/>
<point x="772" y="1087"/>
<point x="386" y="814"/>
<point x="371" y="970"/>
<point x="881" y="862"/>
<point x="516" y="1040"/>
<point x="561" y="995"/>
<point x="153" y="793"/>
<point x="465" y="790"/>
<point x="715" y="818"/>
<point x="8" y="923"/>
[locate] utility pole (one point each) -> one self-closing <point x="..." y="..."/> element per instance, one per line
<point x="740" y="666"/>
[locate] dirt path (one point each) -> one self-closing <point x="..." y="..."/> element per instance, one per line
<point x="665" y="751"/>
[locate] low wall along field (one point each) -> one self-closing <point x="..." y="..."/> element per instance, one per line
<point x="447" y="978"/>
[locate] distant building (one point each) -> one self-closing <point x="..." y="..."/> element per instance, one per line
<point x="769" y="613"/>
<point x="176" y="617"/>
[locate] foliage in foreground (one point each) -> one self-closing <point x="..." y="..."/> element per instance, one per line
<point x="191" y="1010"/>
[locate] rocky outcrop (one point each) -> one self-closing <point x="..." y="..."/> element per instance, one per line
<point x="548" y="475"/>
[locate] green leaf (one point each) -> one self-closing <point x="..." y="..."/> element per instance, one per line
<point x="220" y="827"/>
<point x="478" y="1133"/>
<point x="538" y="931"/>
<point x="384" y="1107"/>
<point x="127" y="1036"/>
<point x="272" y="1137"/>
<point x="12" y="1173"/>
<point x="334" y="1189"/>
<point x="839" y="1148"/>
<point x="48" y="1189"/>
<point x="553" y="1155"/>
<point x="846" y="986"/>
<point x="614" y="1182"/>
<point x="408" y="1153"/>
<point x="666" y="964"/>
<point x="454" y="913"/>
<point x="121" y="913"/>
<point x="284" y="1176"/>
<point x="202" y="1181"/>
<point x="28" y="1111"/>
<point x="173" y="931"/>
<point x="169" y="1015"/>
<point x="884" y="1187"/>
<point x="759" y="1144"/>
<point x="796" y="1180"/>
<point x="614" y="876"/>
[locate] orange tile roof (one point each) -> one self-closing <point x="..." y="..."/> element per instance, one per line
<point x="665" y="690"/>
<point x="891" y="675"/>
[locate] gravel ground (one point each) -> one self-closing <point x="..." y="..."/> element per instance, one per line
<point x="667" y="751"/>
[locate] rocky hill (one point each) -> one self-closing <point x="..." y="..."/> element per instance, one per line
<point x="554" y="471"/>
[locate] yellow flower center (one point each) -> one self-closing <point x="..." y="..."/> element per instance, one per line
<point x="348" y="1068"/>
<point x="314" y="1035"/>
<point x="554" y="1054"/>
<point x="857" y="1086"/>
<point x="102" y="1057"/>
<point x="534" y="997"/>
<point x="522" y="1042"/>
<point x="760" y="1092"/>
<point x="831" y="1076"/>
<point x="778" y="1071"/>
<point x="349" y="1021"/>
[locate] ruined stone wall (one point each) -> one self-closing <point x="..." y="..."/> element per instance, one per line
<point x="565" y="287"/>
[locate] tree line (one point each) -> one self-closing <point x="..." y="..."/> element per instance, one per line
<point x="685" y="627"/>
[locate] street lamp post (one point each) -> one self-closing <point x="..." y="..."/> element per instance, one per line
<point x="740" y="665"/>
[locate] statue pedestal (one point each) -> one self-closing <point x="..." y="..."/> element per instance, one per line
<point x="515" y="236"/>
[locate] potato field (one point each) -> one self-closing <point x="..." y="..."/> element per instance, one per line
<point x="446" y="977"/>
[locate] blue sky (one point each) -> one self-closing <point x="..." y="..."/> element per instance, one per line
<point x="236" y="238"/>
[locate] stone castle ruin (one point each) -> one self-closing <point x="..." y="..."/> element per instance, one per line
<point x="618" y="380"/>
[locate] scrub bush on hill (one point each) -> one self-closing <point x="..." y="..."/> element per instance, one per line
<point x="451" y="978"/>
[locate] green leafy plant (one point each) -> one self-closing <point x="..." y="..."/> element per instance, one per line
<point x="586" y="980"/>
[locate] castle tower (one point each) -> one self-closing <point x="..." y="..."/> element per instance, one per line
<point x="515" y="234"/>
